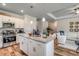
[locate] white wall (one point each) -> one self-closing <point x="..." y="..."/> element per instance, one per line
<point x="27" y="25"/>
<point x="53" y="25"/>
<point x="63" y="24"/>
<point x="42" y="25"/>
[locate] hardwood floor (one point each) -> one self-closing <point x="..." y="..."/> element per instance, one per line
<point x="65" y="52"/>
<point x="59" y="51"/>
<point x="13" y="50"/>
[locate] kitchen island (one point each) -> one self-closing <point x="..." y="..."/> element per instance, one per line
<point x="37" y="46"/>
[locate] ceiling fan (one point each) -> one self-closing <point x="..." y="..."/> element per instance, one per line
<point x="67" y="11"/>
<point x="74" y="10"/>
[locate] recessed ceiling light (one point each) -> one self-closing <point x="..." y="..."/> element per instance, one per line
<point x="4" y="4"/>
<point x="31" y="6"/>
<point x="43" y="19"/>
<point x="31" y="22"/>
<point x="22" y="11"/>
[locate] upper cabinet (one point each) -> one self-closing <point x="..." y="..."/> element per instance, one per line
<point x="19" y="23"/>
<point x="7" y="19"/>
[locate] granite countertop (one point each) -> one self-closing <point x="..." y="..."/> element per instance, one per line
<point x="41" y="39"/>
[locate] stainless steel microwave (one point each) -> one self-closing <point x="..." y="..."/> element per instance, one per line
<point x="8" y="25"/>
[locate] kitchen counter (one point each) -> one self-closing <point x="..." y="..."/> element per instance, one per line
<point x="37" y="46"/>
<point x="40" y="39"/>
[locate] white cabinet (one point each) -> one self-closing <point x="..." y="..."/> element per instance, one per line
<point x="19" y="23"/>
<point x="1" y="42"/>
<point x="49" y="48"/>
<point x="41" y="49"/>
<point x="36" y="48"/>
<point x="24" y="44"/>
<point x="7" y="19"/>
<point x="18" y="38"/>
<point x="31" y="47"/>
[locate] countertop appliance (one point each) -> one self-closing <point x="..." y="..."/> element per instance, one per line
<point x="8" y="25"/>
<point x="36" y="32"/>
<point x="20" y="30"/>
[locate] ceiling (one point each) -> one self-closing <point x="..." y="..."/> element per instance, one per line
<point x="39" y="10"/>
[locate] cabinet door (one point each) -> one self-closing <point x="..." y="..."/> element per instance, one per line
<point x="40" y="49"/>
<point x="1" y="42"/>
<point x="17" y="38"/>
<point x="19" y="23"/>
<point x="49" y="50"/>
<point x="36" y="48"/>
<point x="24" y="45"/>
<point x="20" y="41"/>
<point x="6" y="19"/>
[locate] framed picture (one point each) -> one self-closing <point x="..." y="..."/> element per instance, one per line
<point x="77" y="23"/>
<point x="74" y="26"/>
<point x="71" y="26"/>
<point x="71" y="23"/>
<point x="71" y="30"/>
<point x="75" y="30"/>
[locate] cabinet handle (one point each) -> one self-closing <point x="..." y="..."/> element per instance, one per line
<point x="34" y="49"/>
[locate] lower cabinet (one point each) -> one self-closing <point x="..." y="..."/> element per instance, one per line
<point x="35" y="48"/>
<point x="17" y="38"/>
<point x="24" y="45"/>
